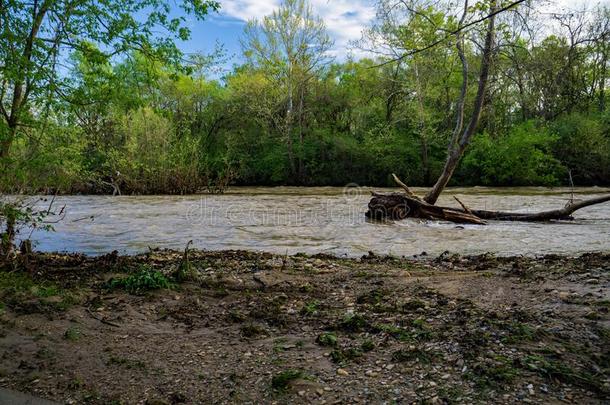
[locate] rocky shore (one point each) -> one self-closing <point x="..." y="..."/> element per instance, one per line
<point x="242" y="327"/>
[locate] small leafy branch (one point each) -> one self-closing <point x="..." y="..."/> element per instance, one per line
<point x="17" y="214"/>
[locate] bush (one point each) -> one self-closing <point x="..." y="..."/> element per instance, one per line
<point x="521" y="158"/>
<point x="583" y="146"/>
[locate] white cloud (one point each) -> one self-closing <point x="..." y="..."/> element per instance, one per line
<point x="345" y="19"/>
<point x="247" y="9"/>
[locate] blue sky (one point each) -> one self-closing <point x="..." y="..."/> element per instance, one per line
<point x="345" y="20"/>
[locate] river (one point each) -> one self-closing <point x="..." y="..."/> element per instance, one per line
<point x="319" y="220"/>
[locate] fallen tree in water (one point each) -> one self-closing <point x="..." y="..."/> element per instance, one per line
<point x="397" y="206"/>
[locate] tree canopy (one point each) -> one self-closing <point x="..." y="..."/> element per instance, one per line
<point x="105" y="98"/>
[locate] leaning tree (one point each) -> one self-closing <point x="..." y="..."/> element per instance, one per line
<point x="402" y="205"/>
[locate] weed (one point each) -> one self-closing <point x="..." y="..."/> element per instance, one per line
<point x="306" y="288"/>
<point x="72" y="334"/>
<point x="127" y="363"/>
<point x="344" y="355"/>
<point x="64" y="304"/>
<point x="353" y="323"/>
<point x="21" y="287"/>
<point x="373" y="297"/>
<point x="418" y="332"/>
<point x="494" y="373"/>
<point x="519" y="332"/>
<point x="413" y="305"/>
<point x="185" y="271"/>
<point x="553" y="369"/>
<point x="310" y="308"/>
<point x="271" y="311"/>
<point x="236" y="316"/>
<point x="413" y="354"/>
<point x="144" y="280"/>
<point x="251" y="330"/>
<point x="75" y="384"/>
<point x="327" y="339"/>
<point x="367" y="345"/>
<point x="451" y="395"/>
<point x="280" y="381"/>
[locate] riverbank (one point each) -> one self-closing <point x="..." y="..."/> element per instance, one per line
<point x="233" y="326"/>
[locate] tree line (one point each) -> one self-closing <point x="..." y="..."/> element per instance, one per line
<point x="90" y="112"/>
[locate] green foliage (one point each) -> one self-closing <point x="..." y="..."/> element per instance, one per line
<point x="145" y="279"/>
<point x="151" y="123"/>
<point x="310" y="308"/>
<point x="522" y="157"/>
<point x="494" y="373"/>
<point x="72" y="334"/>
<point x="327" y="339"/>
<point x="353" y="323"/>
<point x="345" y="355"/>
<point x="554" y="369"/>
<point x="367" y="345"/>
<point x="583" y="146"/>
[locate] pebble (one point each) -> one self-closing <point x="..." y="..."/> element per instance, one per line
<point x="592" y="281"/>
<point x="342" y="372"/>
<point x="301" y="393"/>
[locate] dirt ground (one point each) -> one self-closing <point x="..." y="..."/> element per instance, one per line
<point x="240" y="327"/>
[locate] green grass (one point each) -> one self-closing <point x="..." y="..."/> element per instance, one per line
<point x="19" y="287"/>
<point x="18" y="282"/>
<point x="495" y="373"/>
<point x="554" y="369"/>
<point x="520" y="332"/>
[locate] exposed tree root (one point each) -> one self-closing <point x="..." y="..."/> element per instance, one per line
<point x="397" y="206"/>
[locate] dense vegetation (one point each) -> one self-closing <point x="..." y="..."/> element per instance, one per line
<point x="153" y="122"/>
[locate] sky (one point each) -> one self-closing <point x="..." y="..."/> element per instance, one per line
<point x="345" y="20"/>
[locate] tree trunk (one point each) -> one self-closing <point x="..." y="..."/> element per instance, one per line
<point x="457" y="149"/>
<point x="5" y="144"/>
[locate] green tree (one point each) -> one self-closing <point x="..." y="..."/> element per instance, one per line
<point x="290" y="46"/>
<point x="36" y="35"/>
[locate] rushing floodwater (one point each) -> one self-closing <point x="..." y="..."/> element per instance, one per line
<point x="319" y="220"/>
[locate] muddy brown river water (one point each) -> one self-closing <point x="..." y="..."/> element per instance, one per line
<point x="320" y="220"/>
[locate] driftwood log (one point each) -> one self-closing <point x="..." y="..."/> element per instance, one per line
<point x="398" y="206"/>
